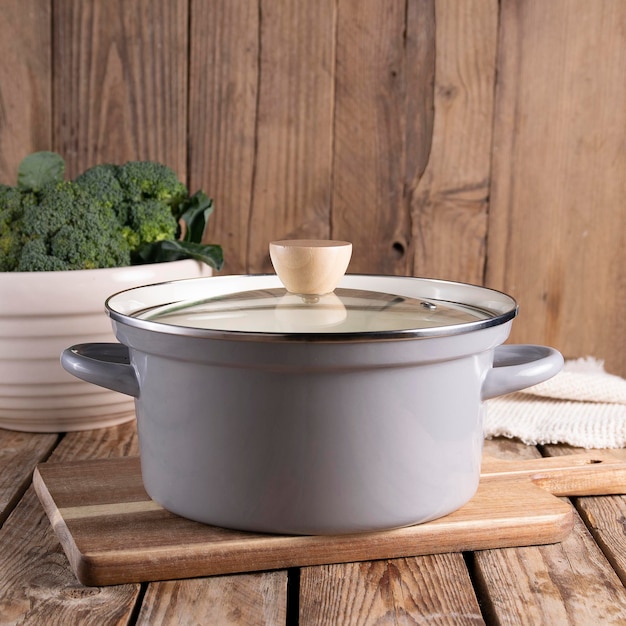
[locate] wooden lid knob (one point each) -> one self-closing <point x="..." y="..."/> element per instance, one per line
<point x="310" y="267"/>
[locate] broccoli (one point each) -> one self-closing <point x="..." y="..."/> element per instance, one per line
<point x="149" y="221"/>
<point x="101" y="183"/>
<point x="144" y="180"/>
<point x="145" y="195"/>
<point x="12" y="204"/>
<point x="109" y="216"/>
<point x="68" y="229"/>
<point x="10" y="212"/>
<point x="34" y="257"/>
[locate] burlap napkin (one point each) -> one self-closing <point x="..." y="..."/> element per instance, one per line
<point x="582" y="405"/>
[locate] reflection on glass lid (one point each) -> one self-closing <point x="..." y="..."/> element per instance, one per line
<point x="343" y="311"/>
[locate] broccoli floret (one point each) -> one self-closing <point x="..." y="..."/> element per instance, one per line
<point x="34" y="257"/>
<point x="68" y="229"/>
<point x="153" y="194"/>
<point x="145" y="196"/>
<point x="10" y="210"/>
<point x="102" y="184"/>
<point x="144" y="180"/>
<point x="149" y="221"/>
<point x="12" y="203"/>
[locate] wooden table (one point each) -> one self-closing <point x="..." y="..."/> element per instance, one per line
<point x="578" y="581"/>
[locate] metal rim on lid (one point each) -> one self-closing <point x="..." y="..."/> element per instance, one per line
<point x="304" y="303"/>
<point x="129" y="307"/>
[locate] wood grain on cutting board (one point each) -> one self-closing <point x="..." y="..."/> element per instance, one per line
<point x="112" y="532"/>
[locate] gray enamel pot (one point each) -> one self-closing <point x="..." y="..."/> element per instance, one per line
<point x="316" y="431"/>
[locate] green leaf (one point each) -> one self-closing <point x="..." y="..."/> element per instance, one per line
<point x="195" y="212"/>
<point x="39" y="169"/>
<point x="164" y="251"/>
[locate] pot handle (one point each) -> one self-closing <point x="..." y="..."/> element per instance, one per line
<point x="104" y="364"/>
<point x="516" y="367"/>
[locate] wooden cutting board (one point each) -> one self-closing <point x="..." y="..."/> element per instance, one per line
<point x="113" y="533"/>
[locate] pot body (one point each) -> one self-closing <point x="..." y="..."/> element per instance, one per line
<point x="306" y="436"/>
<point x="309" y="438"/>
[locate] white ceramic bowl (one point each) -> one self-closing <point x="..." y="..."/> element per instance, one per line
<point x="40" y="314"/>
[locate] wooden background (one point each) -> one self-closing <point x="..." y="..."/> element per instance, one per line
<point x="477" y="140"/>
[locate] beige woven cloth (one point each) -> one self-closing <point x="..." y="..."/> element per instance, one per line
<point x="582" y="405"/>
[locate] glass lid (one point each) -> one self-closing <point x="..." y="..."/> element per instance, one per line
<point x="342" y="311"/>
<point x="304" y="302"/>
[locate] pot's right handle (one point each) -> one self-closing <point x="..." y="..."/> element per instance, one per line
<point x="516" y="367"/>
<point x="104" y="364"/>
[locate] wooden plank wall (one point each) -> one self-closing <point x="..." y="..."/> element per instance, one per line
<point x="480" y="141"/>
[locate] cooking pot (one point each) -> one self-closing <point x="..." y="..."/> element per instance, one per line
<point x="307" y="412"/>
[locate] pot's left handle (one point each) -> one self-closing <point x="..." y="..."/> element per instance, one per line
<point x="104" y="364"/>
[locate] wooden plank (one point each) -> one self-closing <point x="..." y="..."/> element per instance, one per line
<point x="112" y="532"/>
<point x="122" y="91"/>
<point x="606" y="520"/>
<point x="368" y="206"/>
<point x="37" y="584"/>
<point x="223" y="91"/>
<point x="566" y="583"/>
<point x="557" y="215"/>
<point x="604" y="517"/>
<point x="25" y="83"/>
<point x="250" y="600"/>
<point x="420" y="56"/>
<point x="429" y="589"/>
<point x="566" y="474"/>
<point x="19" y="454"/>
<point x="293" y="149"/>
<point x="449" y="201"/>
